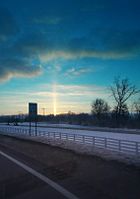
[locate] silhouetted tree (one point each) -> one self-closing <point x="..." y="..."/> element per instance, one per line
<point x="137" y="108"/>
<point x="124" y="110"/>
<point x="100" y="109"/>
<point x="122" y="90"/>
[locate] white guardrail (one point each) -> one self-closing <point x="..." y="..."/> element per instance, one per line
<point x="123" y="146"/>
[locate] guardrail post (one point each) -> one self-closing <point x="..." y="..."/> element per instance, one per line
<point x="60" y="136"/>
<point x="93" y="141"/>
<point x="119" y="145"/>
<point x="137" y="148"/>
<point x="105" y="142"/>
<point x="83" y="137"/>
<point x="74" y="137"/>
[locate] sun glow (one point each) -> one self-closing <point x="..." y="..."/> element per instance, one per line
<point x="54" y="100"/>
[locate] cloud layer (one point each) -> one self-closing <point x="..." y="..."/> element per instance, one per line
<point x="49" y="32"/>
<point x="18" y="68"/>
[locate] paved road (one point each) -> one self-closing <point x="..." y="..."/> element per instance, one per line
<point x="17" y="183"/>
<point x="87" y="177"/>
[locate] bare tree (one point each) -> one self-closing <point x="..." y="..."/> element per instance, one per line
<point x="122" y="90"/>
<point x="100" y="108"/>
<point x="137" y="107"/>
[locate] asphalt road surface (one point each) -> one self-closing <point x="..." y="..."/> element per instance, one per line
<point x="87" y="177"/>
<point x="17" y="183"/>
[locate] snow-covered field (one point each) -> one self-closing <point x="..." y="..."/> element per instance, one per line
<point x="72" y="126"/>
<point x="113" y="135"/>
<point x="125" y="151"/>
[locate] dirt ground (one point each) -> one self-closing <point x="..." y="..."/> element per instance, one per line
<point x="86" y="176"/>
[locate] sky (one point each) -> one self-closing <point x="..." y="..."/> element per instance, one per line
<point x="65" y="54"/>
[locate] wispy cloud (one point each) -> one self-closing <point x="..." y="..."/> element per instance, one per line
<point x="80" y="54"/>
<point x="74" y="90"/>
<point x="78" y="71"/>
<point x="76" y="98"/>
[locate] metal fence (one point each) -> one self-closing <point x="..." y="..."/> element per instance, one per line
<point x="123" y="146"/>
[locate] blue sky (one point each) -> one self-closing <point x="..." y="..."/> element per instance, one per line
<point x="66" y="53"/>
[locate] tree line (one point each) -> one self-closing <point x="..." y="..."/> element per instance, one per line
<point x="120" y="116"/>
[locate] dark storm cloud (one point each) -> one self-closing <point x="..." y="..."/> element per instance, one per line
<point x="15" y="59"/>
<point x="17" y="68"/>
<point x="99" y="43"/>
